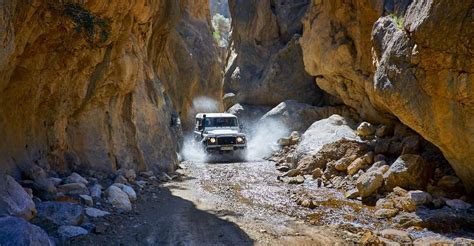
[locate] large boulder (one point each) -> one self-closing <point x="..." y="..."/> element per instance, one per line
<point x="299" y="116"/>
<point x="14" y="200"/>
<point x="369" y="183"/>
<point x="17" y="231"/>
<point x="118" y="198"/>
<point x="60" y="213"/>
<point x="323" y="132"/>
<point x="409" y="172"/>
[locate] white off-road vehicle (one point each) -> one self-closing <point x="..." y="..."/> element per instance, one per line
<point x="220" y="133"/>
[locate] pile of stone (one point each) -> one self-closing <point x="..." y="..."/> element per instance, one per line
<point x="47" y="209"/>
<point x="389" y="167"/>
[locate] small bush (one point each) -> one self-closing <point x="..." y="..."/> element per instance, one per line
<point x="399" y="21"/>
<point x="97" y="30"/>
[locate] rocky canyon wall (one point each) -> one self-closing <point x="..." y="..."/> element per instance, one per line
<point x="92" y="85"/>
<point x="407" y="60"/>
<point x="267" y="67"/>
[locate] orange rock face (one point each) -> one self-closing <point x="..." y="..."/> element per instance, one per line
<point x="81" y="85"/>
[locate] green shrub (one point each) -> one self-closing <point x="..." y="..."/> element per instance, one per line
<point x="399" y="20"/>
<point x="97" y="30"/>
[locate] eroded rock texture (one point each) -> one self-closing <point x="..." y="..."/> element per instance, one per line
<point x="416" y="65"/>
<point x="190" y="66"/>
<point x="268" y="66"/>
<point x="80" y="82"/>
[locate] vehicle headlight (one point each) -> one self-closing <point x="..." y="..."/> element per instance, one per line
<point x="212" y="140"/>
<point x="240" y="139"/>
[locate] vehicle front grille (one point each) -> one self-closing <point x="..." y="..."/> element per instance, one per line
<point x="226" y="140"/>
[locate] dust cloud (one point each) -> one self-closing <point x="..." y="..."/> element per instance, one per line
<point x="263" y="137"/>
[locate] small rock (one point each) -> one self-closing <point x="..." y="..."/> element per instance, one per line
<point x="436" y="191"/>
<point x="14" y="200"/>
<point x="419" y="197"/>
<point x="87" y="200"/>
<point x="28" y="191"/>
<point x="400" y="191"/>
<point x="292" y="173"/>
<point x="342" y="164"/>
<point x="60" y="213"/>
<point x="382" y="146"/>
<point x="408" y="171"/>
<point x="120" y="180"/>
<point x="68" y="232"/>
<point x="89" y="227"/>
<point x="17" y="231"/>
<point x="283" y="168"/>
<point x="386" y="213"/>
<point x="404" y="203"/>
<point x="411" y="145"/>
<point x="368" y="183"/>
<point x="132" y="195"/>
<point x="286" y="141"/>
<point x="356" y="165"/>
<point x="141" y="183"/>
<point x="352" y="193"/>
<point x="96" y="191"/>
<point x="438" y="202"/>
<point x="385" y="203"/>
<point x="369" y="238"/>
<point x="147" y="174"/>
<point x="379" y="157"/>
<point x="365" y="129"/>
<point x="74" y="189"/>
<point x="55" y="181"/>
<point x="118" y="198"/>
<point x="94" y="212"/>
<point x="296" y="180"/>
<point x="383" y="131"/>
<point x="75" y="178"/>
<point x="130" y="175"/>
<point x="458" y="204"/>
<point x="396" y="235"/>
<point x="448" y="182"/>
<point x="307" y="203"/>
<point x="317" y="173"/>
<point x="369" y="158"/>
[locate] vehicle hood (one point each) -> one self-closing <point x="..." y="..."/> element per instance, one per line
<point x="224" y="132"/>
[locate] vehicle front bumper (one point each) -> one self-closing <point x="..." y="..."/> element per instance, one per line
<point x="225" y="148"/>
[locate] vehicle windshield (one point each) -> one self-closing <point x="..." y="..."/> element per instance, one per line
<point x="221" y="122"/>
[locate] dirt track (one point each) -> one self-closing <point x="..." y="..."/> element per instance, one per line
<point x="214" y="204"/>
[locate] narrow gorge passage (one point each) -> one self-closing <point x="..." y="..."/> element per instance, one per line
<point x="217" y="204"/>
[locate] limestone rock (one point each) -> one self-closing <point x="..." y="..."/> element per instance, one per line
<point x="87" y="200"/>
<point x="368" y="183"/>
<point x="76" y="178"/>
<point x="458" y="204"/>
<point x="323" y="132"/>
<point x="14" y="230"/>
<point x="448" y="182"/>
<point x="420" y="197"/>
<point x="14" y="200"/>
<point x="118" y="198"/>
<point x="343" y="163"/>
<point x="365" y="129"/>
<point x="69" y="232"/>
<point x="356" y="165"/>
<point x="406" y="71"/>
<point x="386" y="212"/>
<point x="399" y="236"/>
<point x="94" y="212"/>
<point x="74" y="189"/>
<point x="408" y="171"/>
<point x="96" y="191"/>
<point x="60" y="213"/>
<point x="299" y="116"/>
<point x="107" y="95"/>
<point x="268" y="56"/>
<point x="129" y="190"/>
<point x="317" y="173"/>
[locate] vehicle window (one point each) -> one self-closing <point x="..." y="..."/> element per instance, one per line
<point x="221" y="122"/>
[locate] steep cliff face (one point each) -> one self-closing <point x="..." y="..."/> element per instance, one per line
<point x="415" y="65"/>
<point x="80" y="84"/>
<point x="268" y="67"/>
<point x="190" y="66"/>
